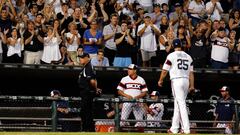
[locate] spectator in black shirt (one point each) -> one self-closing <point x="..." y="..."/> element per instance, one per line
<point x="198" y="49"/>
<point x="33" y="42"/>
<point x="124" y="43"/>
<point x="88" y="89"/>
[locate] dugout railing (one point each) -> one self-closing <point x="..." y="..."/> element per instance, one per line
<point x="28" y="113"/>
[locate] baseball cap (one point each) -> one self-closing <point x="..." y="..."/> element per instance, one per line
<point x="224" y="88"/>
<point x="177" y="5"/>
<point x="55" y="92"/>
<point x="83" y="55"/>
<point x="157" y="5"/>
<point x="177" y="43"/>
<point x="146" y="15"/>
<point x="138" y="7"/>
<point x="154" y="93"/>
<point x="132" y="66"/>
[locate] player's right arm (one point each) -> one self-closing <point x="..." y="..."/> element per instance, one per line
<point x="162" y="76"/>
<point x="191" y="77"/>
<point x="166" y="67"/>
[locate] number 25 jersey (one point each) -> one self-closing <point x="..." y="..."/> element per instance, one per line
<point x="179" y="64"/>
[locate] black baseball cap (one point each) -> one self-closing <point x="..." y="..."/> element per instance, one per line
<point x="177" y="5"/>
<point x="157" y="5"/>
<point x="83" y="55"/>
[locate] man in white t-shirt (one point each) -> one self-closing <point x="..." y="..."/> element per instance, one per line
<point x="214" y="10"/>
<point x="220" y="49"/>
<point x="147" y="32"/>
<point x="180" y="67"/>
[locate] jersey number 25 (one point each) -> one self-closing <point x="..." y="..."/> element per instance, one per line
<point x="182" y="64"/>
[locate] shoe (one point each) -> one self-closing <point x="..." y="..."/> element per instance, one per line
<point x="169" y="131"/>
<point x="180" y="131"/>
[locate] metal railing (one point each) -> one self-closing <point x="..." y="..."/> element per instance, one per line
<point x="115" y="101"/>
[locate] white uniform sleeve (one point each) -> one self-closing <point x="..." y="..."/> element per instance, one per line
<point x="168" y="63"/>
<point x="121" y="85"/>
<point x="140" y="28"/>
<point x="144" y="86"/>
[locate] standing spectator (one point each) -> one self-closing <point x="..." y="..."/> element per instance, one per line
<point x="81" y="20"/>
<point x="124" y="42"/>
<point x="227" y="6"/>
<point x="51" y="43"/>
<point x="198" y="49"/>
<point x="234" y="49"/>
<point x="155" y="111"/>
<point x="148" y="32"/>
<point x="156" y="15"/>
<point x="33" y="10"/>
<point x="184" y="37"/>
<point x="220" y="49"/>
<point x="33" y="44"/>
<point x="49" y="14"/>
<point x="73" y="41"/>
<point x="179" y="64"/>
<point x="177" y="15"/>
<point x="109" y="32"/>
<point x="132" y="87"/>
<point x="225" y="111"/>
<point x="197" y="11"/>
<point x="100" y="60"/>
<point x="88" y="89"/>
<point x="164" y="24"/>
<point x="234" y="23"/>
<point x="92" y="39"/>
<point x="15" y="45"/>
<point x="7" y="19"/>
<point x="214" y="10"/>
<point x="165" y="43"/>
<point x="65" y="17"/>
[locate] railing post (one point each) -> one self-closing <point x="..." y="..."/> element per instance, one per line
<point x="117" y="116"/>
<point x="236" y="119"/>
<point x="54" y="116"/>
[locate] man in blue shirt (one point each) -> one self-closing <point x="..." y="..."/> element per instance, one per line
<point x="100" y="60"/>
<point x="225" y="111"/>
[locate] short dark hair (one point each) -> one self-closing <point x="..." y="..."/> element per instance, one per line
<point x="114" y="15"/>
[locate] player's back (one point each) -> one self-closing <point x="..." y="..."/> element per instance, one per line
<point x="180" y="64"/>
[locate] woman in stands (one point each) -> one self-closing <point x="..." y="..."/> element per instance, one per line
<point x="234" y="52"/>
<point x="51" y="50"/>
<point x="15" y="46"/>
<point x="234" y="23"/>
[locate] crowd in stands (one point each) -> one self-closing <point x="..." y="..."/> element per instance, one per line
<point x="120" y="32"/>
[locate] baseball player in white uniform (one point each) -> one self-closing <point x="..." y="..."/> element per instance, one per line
<point x="180" y="67"/>
<point x="155" y="111"/>
<point x="132" y="87"/>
